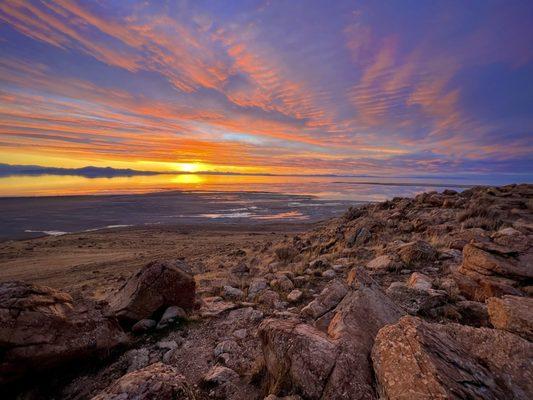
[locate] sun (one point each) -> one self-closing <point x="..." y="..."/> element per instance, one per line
<point x="188" y="167"/>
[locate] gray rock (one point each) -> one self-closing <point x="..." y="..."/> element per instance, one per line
<point x="294" y="296"/>
<point x="144" y="325"/>
<point x="229" y="292"/>
<point x="227" y="346"/>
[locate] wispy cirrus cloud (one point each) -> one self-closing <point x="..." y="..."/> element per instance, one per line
<point x="355" y="88"/>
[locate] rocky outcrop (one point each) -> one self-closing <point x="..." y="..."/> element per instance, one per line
<point x="492" y="270"/>
<point x="513" y="314"/>
<point x="414" y="359"/>
<point x="42" y="328"/>
<point x="157" y="381"/>
<point x="156" y="286"/>
<point x="301" y="358"/>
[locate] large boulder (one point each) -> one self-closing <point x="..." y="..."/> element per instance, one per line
<point x="356" y="321"/>
<point x="156" y="381"/>
<point x="42" y="328"/>
<point x="153" y="288"/>
<point x="297" y="356"/>
<point x="414" y="360"/>
<point x="492" y="270"/>
<point x="513" y="314"/>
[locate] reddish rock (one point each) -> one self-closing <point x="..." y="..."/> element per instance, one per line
<point x="418" y="251"/>
<point x="153" y="288"/>
<point x="157" y="381"/>
<point x="43" y="328"/>
<point x="491" y="270"/>
<point x="513" y="314"/>
<point x="418" y="360"/>
<point x="297" y="356"/>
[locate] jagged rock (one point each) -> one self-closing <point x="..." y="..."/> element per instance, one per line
<point x="144" y="325"/>
<point x="383" y="264"/>
<point x="257" y="285"/>
<point x="489" y="271"/>
<point x="418" y="360"/>
<point x="296" y="356"/>
<point x="413" y="300"/>
<point x="330" y="296"/>
<point x="300" y="358"/>
<point x="356" y="321"/>
<point x="419" y="281"/>
<point x="157" y="381"/>
<point x="294" y="296"/>
<point x="513" y="314"/>
<point x="42" y="328"/>
<point x="231" y="293"/>
<point x="417" y="251"/>
<point x="155" y="286"/>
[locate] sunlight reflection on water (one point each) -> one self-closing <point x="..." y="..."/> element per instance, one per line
<point x="333" y="188"/>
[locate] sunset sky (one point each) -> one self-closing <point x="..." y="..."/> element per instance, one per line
<point x="351" y="87"/>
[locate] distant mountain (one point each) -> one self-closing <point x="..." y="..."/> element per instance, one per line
<point x="88" y="172"/>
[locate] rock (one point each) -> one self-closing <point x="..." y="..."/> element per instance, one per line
<point x="419" y="281"/>
<point x="300" y="281"/>
<point x="270" y="299"/>
<point x="282" y="282"/>
<point x="328" y="299"/>
<point x="418" y="360"/>
<point x="231" y="293"/>
<point x="157" y="381"/>
<point x="155" y="286"/>
<point x="42" y="328"/>
<point x="227" y="346"/>
<point x="301" y="359"/>
<point x="487" y="271"/>
<point x="415" y="252"/>
<point x="338" y="267"/>
<point x="256" y="286"/>
<point x="329" y="273"/>
<point x="356" y="321"/>
<point x="144" y="325"/>
<point x="383" y="264"/>
<point x="213" y="306"/>
<point x="361" y="236"/>
<point x="170" y="316"/>
<point x="219" y="375"/>
<point x="296" y="356"/>
<point x="513" y="314"/>
<point x="415" y="301"/>
<point x="294" y="296"/>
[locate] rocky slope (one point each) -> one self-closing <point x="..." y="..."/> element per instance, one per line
<point x="424" y="298"/>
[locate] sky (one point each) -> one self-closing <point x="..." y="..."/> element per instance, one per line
<point x="288" y="86"/>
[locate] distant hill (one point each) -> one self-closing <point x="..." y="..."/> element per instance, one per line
<point x="89" y="172"/>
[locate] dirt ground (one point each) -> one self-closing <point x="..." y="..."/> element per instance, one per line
<point x="93" y="263"/>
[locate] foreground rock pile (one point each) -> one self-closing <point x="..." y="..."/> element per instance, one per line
<point x="424" y="298"/>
